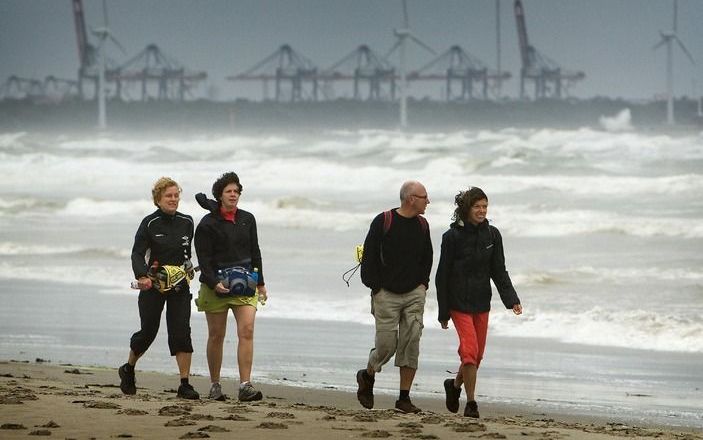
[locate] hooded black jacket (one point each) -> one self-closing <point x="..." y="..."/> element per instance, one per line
<point x="220" y="243"/>
<point x="471" y="256"/>
<point x="166" y="237"/>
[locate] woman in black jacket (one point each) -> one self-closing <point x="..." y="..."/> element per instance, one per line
<point x="227" y="238"/>
<point x="472" y="255"/>
<point x="163" y="240"/>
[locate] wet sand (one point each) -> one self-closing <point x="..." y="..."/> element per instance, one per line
<point x="77" y="402"/>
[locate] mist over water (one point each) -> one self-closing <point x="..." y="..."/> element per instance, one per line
<point x="602" y="229"/>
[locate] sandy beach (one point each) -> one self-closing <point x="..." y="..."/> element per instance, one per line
<point x="77" y="402"/>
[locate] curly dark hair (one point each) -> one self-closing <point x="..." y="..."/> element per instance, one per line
<point x="465" y="200"/>
<point x="219" y="186"/>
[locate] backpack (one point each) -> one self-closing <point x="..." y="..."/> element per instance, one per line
<point x="387" y="222"/>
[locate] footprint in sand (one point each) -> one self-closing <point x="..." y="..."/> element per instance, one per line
<point x="272" y="425"/>
<point x="180" y="422"/>
<point x="376" y="434"/>
<point x="195" y="435"/>
<point x="12" y="426"/>
<point x="280" y="415"/>
<point x="213" y="428"/>
<point x="175" y="410"/>
<point x="235" y="418"/>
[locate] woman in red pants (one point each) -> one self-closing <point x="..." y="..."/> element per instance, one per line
<point x="471" y="256"/>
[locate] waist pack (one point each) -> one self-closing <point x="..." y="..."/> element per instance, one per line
<point x="239" y="280"/>
<point x="169" y="277"/>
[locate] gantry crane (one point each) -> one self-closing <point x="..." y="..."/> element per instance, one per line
<point x="284" y="66"/>
<point x="549" y="78"/>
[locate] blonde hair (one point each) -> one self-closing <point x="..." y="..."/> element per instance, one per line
<point x="160" y="187"/>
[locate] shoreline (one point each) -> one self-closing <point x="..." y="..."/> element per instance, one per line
<point x="85" y="402"/>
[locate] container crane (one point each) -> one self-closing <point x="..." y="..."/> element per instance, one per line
<point x="548" y="76"/>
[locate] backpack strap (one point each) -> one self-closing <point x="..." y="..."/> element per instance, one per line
<point x="387" y="220"/>
<point x="423" y="223"/>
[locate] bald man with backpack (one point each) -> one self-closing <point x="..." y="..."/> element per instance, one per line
<point x="396" y="267"/>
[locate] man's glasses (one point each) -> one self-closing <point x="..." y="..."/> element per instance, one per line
<point x="419" y="197"/>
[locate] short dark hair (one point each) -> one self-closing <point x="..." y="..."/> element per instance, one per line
<point x="465" y="200"/>
<point x="219" y="186"/>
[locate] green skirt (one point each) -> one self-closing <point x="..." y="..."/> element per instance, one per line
<point x="208" y="301"/>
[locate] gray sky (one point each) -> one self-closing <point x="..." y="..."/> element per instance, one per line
<point x="610" y="40"/>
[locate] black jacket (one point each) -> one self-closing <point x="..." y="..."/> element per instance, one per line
<point x="167" y="238"/>
<point x="398" y="260"/>
<point x="471" y="256"/>
<point x="220" y="243"/>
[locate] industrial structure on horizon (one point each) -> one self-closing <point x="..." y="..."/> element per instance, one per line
<point x="154" y="75"/>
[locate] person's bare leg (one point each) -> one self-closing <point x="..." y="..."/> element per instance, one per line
<point x="245" y="316"/>
<point x="469" y="373"/>
<point x="216" y="330"/>
<point x="183" y="360"/>
<point x="407" y="375"/>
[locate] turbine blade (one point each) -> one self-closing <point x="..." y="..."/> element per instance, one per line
<point x="117" y="43"/>
<point x="422" y="44"/>
<point x="395" y="46"/>
<point x="659" y="44"/>
<point x="676" y="9"/>
<point x="683" y="48"/>
<point x="105" y="20"/>
<point x="405" y="14"/>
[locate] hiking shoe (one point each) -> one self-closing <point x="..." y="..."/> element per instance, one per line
<point x="248" y="393"/>
<point x="453" y="393"/>
<point x="365" y="391"/>
<point x="186" y="391"/>
<point x="406" y="406"/>
<point x="216" y="392"/>
<point x="127" y="383"/>
<point x="471" y="409"/>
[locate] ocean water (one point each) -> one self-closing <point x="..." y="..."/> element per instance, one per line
<point x="603" y="233"/>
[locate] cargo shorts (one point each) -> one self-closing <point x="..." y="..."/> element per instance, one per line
<point x="398" y="327"/>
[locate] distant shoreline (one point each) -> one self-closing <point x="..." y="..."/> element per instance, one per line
<point x="242" y="115"/>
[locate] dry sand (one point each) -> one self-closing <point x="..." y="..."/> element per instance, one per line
<point x="70" y="402"/>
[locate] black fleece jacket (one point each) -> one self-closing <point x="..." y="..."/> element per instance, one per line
<point x="219" y="243"/>
<point x="471" y="256"/>
<point x="398" y="260"/>
<point x="166" y="237"/>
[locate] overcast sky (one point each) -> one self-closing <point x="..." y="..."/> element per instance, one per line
<point x="610" y="40"/>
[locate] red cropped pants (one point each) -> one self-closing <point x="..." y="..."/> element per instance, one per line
<point x="472" y="329"/>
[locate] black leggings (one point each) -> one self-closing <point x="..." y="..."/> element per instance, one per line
<point x="151" y="304"/>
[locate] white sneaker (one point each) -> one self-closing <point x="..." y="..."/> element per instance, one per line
<point x="216" y="392"/>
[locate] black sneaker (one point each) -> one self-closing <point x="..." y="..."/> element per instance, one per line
<point x="365" y="391"/>
<point x="406" y="406"/>
<point x="186" y="391"/>
<point x="453" y="393"/>
<point x="471" y="409"/>
<point x="127" y="383"/>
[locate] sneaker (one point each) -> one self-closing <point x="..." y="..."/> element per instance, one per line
<point x="216" y="392"/>
<point x="453" y="393"/>
<point x="186" y="391"/>
<point x="248" y="393"/>
<point x="471" y="409"/>
<point x="406" y="406"/>
<point x="127" y="383"/>
<point x="365" y="391"/>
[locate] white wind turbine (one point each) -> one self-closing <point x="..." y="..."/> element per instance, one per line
<point x="402" y="35"/>
<point x="103" y="34"/>
<point x="667" y="38"/>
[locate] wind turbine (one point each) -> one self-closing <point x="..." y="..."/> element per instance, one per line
<point x="103" y="34"/>
<point x="402" y="35"/>
<point x="667" y="38"/>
